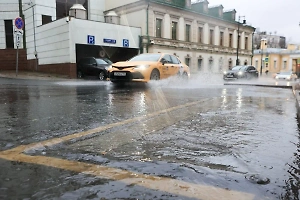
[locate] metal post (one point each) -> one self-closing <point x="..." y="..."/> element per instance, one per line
<point x="34" y="38"/>
<point x="147" y="28"/>
<point x="261" y="60"/>
<point x="238" y="40"/>
<point x="17" y="60"/>
<point x="238" y="43"/>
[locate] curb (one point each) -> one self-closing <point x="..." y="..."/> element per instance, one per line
<point x="295" y="89"/>
<point x="261" y="85"/>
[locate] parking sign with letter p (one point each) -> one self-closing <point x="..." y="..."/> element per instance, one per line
<point x="91" y="39"/>
<point x="125" y="43"/>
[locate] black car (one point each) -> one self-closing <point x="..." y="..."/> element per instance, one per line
<point x="90" y="66"/>
<point x="239" y="72"/>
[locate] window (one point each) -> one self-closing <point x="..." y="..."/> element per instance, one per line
<point x="174" y="30"/>
<point x="220" y="64"/>
<point x="46" y="19"/>
<point x="63" y="7"/>
<point x="187" y="61"/>
<point x="175" y="59"/>
<point x="275" y="64"/>
<point x="158" y="27"/>
<point x="256" y="63"/>
<point x="221" y="39"/>
<point x="284" y="64"/>
<point x="200" y="64"/>
<point x="168" y="59"/>
<point x="9" y="36"/>
<point x="211" y="37"/>
<point x="187" y="32"/>
<point x="230" y="40"/>
<point x="210" y="63"/>
<point x="200" y="30"/>
<point x="230" y="64"/>
<point x="246" y="43"/>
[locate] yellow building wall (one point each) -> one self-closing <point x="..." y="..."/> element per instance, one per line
<point x="285" y="67"/>
<point x="274" y="67"/>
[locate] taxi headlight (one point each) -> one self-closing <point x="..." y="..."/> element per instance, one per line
<point x="141" y="67"/>
<point x="108" y="67"/>
<point x="224" y="72"/>
<point x="240" y="73"/>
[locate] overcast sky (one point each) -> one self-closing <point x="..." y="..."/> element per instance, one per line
<point x="281" y="16"/>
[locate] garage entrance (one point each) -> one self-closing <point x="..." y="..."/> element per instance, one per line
<point x="115" y="54"/>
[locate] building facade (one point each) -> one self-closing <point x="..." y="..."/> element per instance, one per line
<point x="276" y="60"/>
<point x="273" y="40"/>
<point x="207" y="38"/>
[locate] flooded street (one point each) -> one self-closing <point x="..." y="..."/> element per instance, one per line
<point x="162" y="140"/>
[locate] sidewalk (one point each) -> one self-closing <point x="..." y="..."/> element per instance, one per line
<point x="32" y="75"/>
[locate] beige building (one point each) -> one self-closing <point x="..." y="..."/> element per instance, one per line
<point x="206" y="38"/>
<point x="276" y="59"/>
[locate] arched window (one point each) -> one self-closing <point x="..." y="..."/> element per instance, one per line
<point x="210" y="63"/>
<point x="221" y="64"/>
<point x="200" y="60"/>
<point x="230" y="64"/>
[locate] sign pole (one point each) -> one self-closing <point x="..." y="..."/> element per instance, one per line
<point x="19" y="24"/>
<point x="17" y="60"/>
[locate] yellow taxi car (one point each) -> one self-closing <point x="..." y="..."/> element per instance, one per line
<point x="148" y="66"/>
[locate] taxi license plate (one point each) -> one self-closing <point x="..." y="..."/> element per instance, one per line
<point x="229" y="76"/>
<point x="120" y="73"/>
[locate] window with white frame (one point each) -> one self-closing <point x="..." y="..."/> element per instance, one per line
<point x="210" y="63"/>
<point x="158" y="28"/>
<point x="174" y="30"/>
<point x="63" y="7"/>
<point x="200" y="31"/>
<point x="187" y="33"/>
<point x="284" y="64"/>
<point x="221" y="38"/>
<point x="187" y="61"/>
<point x="200" y="60"/>
<point x="230" y="40"/>
<point x="246" y="43"/>
<point x="211" y="37"/>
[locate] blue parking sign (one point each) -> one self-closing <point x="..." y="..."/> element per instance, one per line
<point x="91" y="39"/>
<point x="125" y="43"/>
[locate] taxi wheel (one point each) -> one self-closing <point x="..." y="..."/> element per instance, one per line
<point x="154" y="75"/>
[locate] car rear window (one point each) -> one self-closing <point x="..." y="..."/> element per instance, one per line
<point x="100" y="61"/>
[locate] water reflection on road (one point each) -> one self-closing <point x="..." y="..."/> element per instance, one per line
<point x="236" y="137"/>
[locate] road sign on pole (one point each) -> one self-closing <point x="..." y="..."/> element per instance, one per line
<point x="19" y="23"/>
<point x="18" y="31"/>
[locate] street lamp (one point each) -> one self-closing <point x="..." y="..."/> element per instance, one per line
<point x="261" y="60"/>
<point x="238" y="39"/>
<point x="263" y="44"/>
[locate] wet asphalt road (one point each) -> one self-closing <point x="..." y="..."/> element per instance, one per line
<point x="238" y="138"/>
